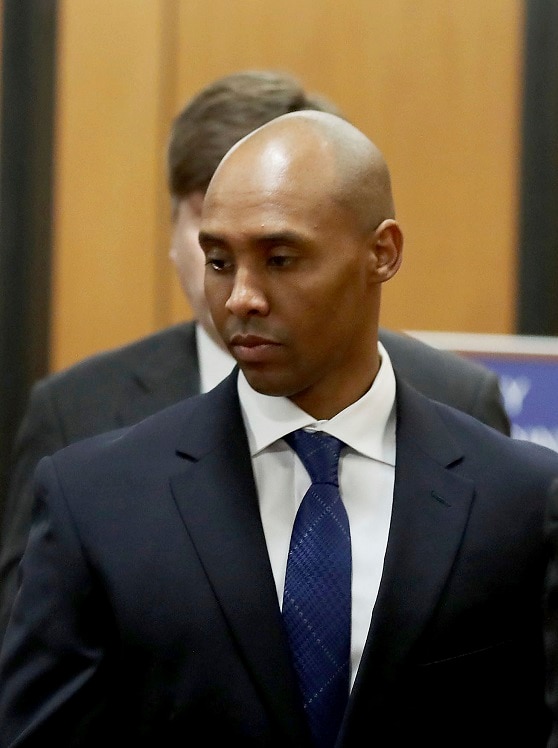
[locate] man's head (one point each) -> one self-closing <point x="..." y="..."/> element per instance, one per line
<point x="202" y="133"/>
<point x="299" y="233"/>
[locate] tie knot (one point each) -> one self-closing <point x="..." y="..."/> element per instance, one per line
<point x="319" y="453"/>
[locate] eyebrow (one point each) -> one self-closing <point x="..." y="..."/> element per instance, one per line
<point x="206" y="237"/>
<point x="271" y="238"/>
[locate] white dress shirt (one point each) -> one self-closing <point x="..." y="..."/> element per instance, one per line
<point x="215" y="363"/>
<point x="366" y="478"/>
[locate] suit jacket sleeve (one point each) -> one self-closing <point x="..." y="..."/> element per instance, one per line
<point x="101" y="393"/>
<point x="41" y="433"/>
<point x="61" y="650"/>
<point x="551" y="618"/>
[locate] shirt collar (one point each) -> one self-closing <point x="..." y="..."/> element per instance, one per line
<point x="367" y="426"/>
<point x="214" y="362"/>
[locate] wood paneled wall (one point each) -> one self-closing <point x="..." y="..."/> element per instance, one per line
<point x="436" y="84"/>
<point x="1" y="41"/>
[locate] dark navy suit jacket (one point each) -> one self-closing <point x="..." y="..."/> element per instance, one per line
<point x="147" y="613"/>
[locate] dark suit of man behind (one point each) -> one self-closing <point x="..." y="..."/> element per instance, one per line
<point x="120" y="387"/>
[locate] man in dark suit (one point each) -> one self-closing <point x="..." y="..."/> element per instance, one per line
<point x="120" y="387"/>
<point x="162" y="600"/>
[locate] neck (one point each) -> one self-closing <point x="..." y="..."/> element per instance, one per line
<point x="322" y="405"/>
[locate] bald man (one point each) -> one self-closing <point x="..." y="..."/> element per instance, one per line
<point x="121" y="386"/>
<point x="312" y="554"/>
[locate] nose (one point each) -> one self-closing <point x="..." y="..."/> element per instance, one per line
<point x="247" y="296"/>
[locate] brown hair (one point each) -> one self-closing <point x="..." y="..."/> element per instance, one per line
<point x="224" y="112"/>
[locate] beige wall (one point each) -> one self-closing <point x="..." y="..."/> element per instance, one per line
<point x="435" y="84"/>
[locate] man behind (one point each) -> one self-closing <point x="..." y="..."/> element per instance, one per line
<point x="161" y="597"/>
<point x="120" y="387"/>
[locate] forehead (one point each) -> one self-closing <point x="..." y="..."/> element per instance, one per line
<point x="267" y="193"/>
<point x="188" y="208"/>
<point x="274" y="169"/>
<point x="249" y="214"/>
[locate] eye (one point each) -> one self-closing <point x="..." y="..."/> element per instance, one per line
<point x="217" y="260"/>
<point x="218" y="265"/>
<point x="280" y="260"/>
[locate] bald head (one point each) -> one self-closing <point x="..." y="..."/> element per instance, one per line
<point x="320" y="155"/>
<point x="298" y="233"/>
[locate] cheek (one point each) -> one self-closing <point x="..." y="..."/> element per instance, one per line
<point x="339" y="294"/>
<point x="217" y="292"/>
<point x="337" y="307"/>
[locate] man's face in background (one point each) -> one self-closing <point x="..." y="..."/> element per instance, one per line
<point x="189" y="260"/>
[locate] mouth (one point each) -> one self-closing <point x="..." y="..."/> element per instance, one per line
<point x="252" y="348"/>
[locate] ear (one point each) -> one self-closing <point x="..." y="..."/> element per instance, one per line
<point x="386" y="245"/>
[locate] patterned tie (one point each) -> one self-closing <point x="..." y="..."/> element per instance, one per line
<point x="317" y="597"/>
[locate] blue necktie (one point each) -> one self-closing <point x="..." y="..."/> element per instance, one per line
<point x="317" y="597"/>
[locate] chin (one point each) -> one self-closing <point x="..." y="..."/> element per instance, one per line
<point x="270" y="385"/>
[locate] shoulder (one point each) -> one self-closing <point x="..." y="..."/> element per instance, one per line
<point x="183" y="426"/>
<point x="152" y="449"/>
<point x="409" y="354"/>
<point x="110" y="364"/>
<point x="448" y="377"/>
<point x="115" y="387"/>
<point x="442" y="430"/>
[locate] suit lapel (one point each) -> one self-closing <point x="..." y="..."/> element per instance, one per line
<point x="216" y="497"/>
<point x="431" y="506"/>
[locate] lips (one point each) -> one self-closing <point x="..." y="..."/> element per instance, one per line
<point x="252" y="348"/>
